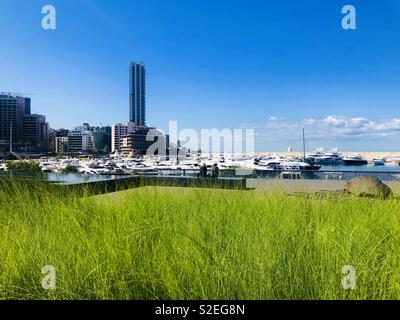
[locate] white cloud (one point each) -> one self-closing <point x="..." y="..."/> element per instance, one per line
<point x="336" y="127"/>
<point x="337" y="121"/>
<point x="274" y="118"/>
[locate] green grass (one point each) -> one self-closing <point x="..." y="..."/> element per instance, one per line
<point x="166" y="243"/>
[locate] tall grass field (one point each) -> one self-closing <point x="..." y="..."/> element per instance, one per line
<point x="170" y="243"/>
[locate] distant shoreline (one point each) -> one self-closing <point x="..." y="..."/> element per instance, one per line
<point x="369" y="155"/>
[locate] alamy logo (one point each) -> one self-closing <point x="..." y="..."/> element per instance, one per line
<point x="349" y="20"/>
<point x="350" y="278"/>
<point x="49" y="280"/>
<point x="49" y="20"/>
<point x="208" y="141"/>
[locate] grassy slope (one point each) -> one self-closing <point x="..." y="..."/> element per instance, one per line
<point x="159" y="243"/>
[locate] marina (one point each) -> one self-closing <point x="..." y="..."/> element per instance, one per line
<point x="315" y="166"/>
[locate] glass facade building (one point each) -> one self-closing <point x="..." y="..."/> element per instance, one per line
<point x="19" y="128"/>
<point x="12" y="111"/>
<point x="137" y="93"/>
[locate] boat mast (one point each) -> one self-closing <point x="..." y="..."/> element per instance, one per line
<point x="11" y="137"/>
<point x="304" y="147"/>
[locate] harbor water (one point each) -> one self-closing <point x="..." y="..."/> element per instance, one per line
<point x="336" y="172"/>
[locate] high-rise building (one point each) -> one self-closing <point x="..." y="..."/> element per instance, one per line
<point x="20" y="130"/>
<point x="12" y="111"/>
<point x="35" y="133"/>
<point x="137" y="93"/>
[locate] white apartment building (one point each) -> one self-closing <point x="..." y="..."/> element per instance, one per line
<point x="79" y="141"/>
<point x="117" y="131"/>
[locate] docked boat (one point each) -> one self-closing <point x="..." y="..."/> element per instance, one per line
<point x="355" y="160"/>
<point x="291" y="171"/>
<point x="329" y="158"/>
<point x="47" y="167"/>
<point x="379" y="162"/>
<point x="292" y="175"/>
<point x="301" y="166"/>
<point x="283" y="165"/>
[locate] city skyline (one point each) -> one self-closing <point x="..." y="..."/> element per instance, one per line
<point x="304" y="71"/>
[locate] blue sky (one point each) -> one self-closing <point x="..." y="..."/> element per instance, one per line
<point x="275" y="66"/>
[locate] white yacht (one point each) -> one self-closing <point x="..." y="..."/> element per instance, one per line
<point x="328" y="158"/>
<point x="281" y="164"/>
<point x="293" y="175"/>
<point x="291" y="171"/>
<point x="48" y="167"/>
<point x="379" y="162"/>
<point x="355" y="160"/>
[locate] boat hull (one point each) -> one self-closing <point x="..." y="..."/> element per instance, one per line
<point x="310" y="168"/>
<point x="355" y="162"/>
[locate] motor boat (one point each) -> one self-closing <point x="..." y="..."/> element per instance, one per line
<point x="269" y="164"/>
<point x="314" y="157"/>
<point x="291" y="171"/>
<point x="355" y="160"/>
<point x="329" y="158"/>
<point x="379" y="162"/>
<point x="292" y="175"/>
<point x="48" y="167"/>
<point x="283" y="164"/>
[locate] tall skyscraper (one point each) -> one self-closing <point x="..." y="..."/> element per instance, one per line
<point x="12" y="111"/>
<point x="19" y="128"/>
<point x="137" y="93"/>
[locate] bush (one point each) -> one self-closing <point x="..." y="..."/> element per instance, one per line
<point x="23" y="166"/>
<point x="70" y="169"/>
